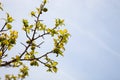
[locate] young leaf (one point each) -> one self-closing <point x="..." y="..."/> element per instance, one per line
<point x="55" y="69"/>
<point x="54" y="63"/>
<point x="9" y="26"/>
<point x="45" y="9"/>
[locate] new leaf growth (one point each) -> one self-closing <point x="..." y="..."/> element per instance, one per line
<point x="33" y="32"/>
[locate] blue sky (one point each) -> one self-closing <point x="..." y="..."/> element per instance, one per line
<point x="93" y="50"/>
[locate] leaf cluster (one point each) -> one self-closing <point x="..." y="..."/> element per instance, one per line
<point x="33" y="32"/>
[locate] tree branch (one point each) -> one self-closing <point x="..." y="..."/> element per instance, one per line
<point x="3" y="27"/>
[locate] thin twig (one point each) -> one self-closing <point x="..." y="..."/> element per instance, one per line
<point x="23" y="44"/>
<point x="3" y="27"/>
<point x="40" y="44"/>
<point x="28" y="36"/>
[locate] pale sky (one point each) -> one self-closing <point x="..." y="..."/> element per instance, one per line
<point x="92" y="52"/>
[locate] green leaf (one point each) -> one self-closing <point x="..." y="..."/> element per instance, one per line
<point x="9" y="26"/>
<point x="45" y="9"/>
<point x="34" y="63"/>
<point x="49" y="70"/>
<point x="27" y="56"/>
<point x="31" y="26"/>
<point x="1" y="53"/>
<point x="17" y="57"/>
<point x="32" y="13"/>
<point x="10" y="47"/>
<point x="45" y="1"/>
<point x="48" y="65"/>
<point x="55" y="69"/>
<point x="32" y="47"/>
<point x="28" y="41"/>
<point x="25" y="22"/>
<point x="54" y="63"/>
<point x="1" y="6"/>
<point x="9" y="18"/>
<point x="0" y="61"/>
<point x="58" y="51"/>
<point x="59" y="22"/>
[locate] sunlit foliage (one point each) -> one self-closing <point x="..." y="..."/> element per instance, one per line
<point x="33" y="32"/>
